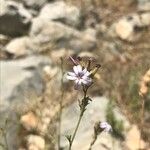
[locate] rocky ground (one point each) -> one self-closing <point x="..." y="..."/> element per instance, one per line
<point x="34" y="34"/>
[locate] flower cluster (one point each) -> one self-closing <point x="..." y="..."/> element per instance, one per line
<point x="80" y="76"/>
<point x="82" y="73"/>
<point x="105" y="126"/>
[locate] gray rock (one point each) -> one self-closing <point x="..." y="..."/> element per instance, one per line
<point x="35" y="4"/>
<point x="96" y="111"/>
<point x="20" y="79"/>
<point x="144" y="5"/>
<point x="15" y="20"/>
<point x="46" y="35"/>
<point x="60" y="11"/>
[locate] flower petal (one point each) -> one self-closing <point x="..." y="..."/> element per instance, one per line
<point x="84" y="70"/>
<point x="79" y="68"/>
<point x="86" y="81"/>
<point x="71" y="77"/>
<point x="75" y="69"/>
<point x="105" y="126"/>
<point x="71" y="74"/>
<point x="87" y="73"/>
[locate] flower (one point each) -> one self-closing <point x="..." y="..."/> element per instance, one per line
<point x="80" y="76"/>
<point x="105" y="126"/>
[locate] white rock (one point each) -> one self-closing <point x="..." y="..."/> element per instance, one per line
<point x="67" y="13"/>
<point x="132" y="139"/>
<point x="19" y="46"/>
<point x="144" y="5"/>
<point x="37" y="141"/>
<point x="145" y="19"/>
<point x="29" y="121"/>
<point x="124" y="29"/>
<point x="49" y="35"/>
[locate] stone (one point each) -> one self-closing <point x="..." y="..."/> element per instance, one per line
<point x="126" y="28"/>
<point x="18" y="47"/>
<point x="96" y="111"/>
<point x="25" y="81"/>
<point x="132" y="139"/>
<point x="35" y="142"/>
<point x="29" y="121"/>
<point x="15" y="20"/>
<point x="143" y="5"/>
<point x="67" y="14"/>
<point x="145" y="19"/>
<point x="3" y="40"/>
<point x="34" y="4"/>
<point x="54" y="35"/>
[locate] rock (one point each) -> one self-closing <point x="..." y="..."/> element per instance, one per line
<point x="15" y="20"/>
<point x="67" y="14"/>
<point x="35" y="142"/>
<point x="34" y="4"/>
<point x="145" y="19"/>
<point x="11" y="129"/>
<point x="3" y="40"/>
<point x="29" y="121"/>
<point x="25" y="80"/>
<point x="143" y="5"/>
<point x="19" y="46"/>
<point x="57" y="54"/>
<point x="19" y="95"/>
<point x="126" y="27"/>
<point x="96" y="111"/>
<point x="49" y="35"/>
<point x="132" y="139"/>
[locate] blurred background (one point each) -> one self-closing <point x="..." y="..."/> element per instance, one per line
<point x="35" y="34"/>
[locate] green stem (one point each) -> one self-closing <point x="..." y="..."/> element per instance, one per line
<point x="6" y="142"/>
<point x="82" y="110"/>
<point x="75" y="131"/>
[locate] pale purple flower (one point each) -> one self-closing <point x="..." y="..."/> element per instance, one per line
<point x="105" y="126"/>
<point x="80" y="76"/>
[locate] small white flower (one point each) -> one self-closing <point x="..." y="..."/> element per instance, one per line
<point x="79" y="76"/>
<point x="105" y="126"/>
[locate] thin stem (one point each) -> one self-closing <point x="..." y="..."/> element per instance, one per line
<point x="93" y="141"/>
<point x="60" y="104"/>
<point x="5" y="137"/>
<point x="75" y="131"/>
<point x="82" y="110"/>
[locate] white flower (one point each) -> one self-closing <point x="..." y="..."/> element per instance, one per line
<point x="105" y="126"/>
<point x="79" y="76"/>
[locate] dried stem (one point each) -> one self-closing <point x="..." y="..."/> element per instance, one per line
<point x="60" y="104"/>
<point x="93" y="141"/>
<point x="97" y="131"/>
<point x="4" y="134"/>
